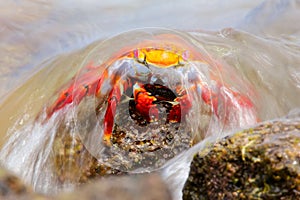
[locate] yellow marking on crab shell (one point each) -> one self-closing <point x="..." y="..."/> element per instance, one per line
<point x="159" y="57"/>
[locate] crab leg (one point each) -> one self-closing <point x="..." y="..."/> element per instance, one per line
<point x="83" y="86"/>
<point x="234" y="105"/>
<point x="229" y="99"/>
<point x="181" y="107"/>
<point x="114" y="99"/>
<point x="120" y="79"/>
<point x="144" y="105"/>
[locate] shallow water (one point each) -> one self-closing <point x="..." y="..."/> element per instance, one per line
<point x="263" y="48"/>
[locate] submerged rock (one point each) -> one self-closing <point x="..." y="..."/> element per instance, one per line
<point x="74" y="164"/>
<point x="257" y="163"/>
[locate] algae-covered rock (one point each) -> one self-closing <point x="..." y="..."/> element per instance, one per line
<point x="258" y="163"/>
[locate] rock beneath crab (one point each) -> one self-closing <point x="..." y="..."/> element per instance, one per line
<point x="73" y="163"/>
<point x="142" y="187"/>
<point x="135" y="143"/>
<point x="258" y="163"/>
<point x="145" y="147"/>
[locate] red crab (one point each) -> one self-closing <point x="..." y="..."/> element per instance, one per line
<point x="156" y="72"/>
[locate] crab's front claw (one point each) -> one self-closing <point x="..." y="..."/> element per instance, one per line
<point x="145" y="103"/>
<point x="148" y="111"/>
<point x="181" y="107"/>
<point x="175" y="114"/>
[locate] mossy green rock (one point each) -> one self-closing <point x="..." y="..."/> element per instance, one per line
<point x="258" y="163"/>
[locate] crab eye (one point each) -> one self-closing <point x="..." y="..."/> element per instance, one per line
<point x="139" y="56"/>
<point x="139" y="71"/>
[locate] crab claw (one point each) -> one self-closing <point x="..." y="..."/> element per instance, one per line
<point x="144" y="103"/>
<point x="181" y="107"/>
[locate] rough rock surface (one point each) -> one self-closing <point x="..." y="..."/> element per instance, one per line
<point x="257" y="163"/>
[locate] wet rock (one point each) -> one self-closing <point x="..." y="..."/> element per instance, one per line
<point x="11" y="187"/>
<point x="75" y="160"/>
<point x="74" y="164"/>
<point x="142" y="187"/>
<point x="258" y="163"/>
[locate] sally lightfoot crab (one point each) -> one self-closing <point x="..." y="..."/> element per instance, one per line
<point x="165" y="79"/>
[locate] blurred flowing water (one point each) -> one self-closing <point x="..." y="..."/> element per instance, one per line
<point x="45" y="43"/>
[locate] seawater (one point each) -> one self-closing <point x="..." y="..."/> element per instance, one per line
<point x="262" y="55"/>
